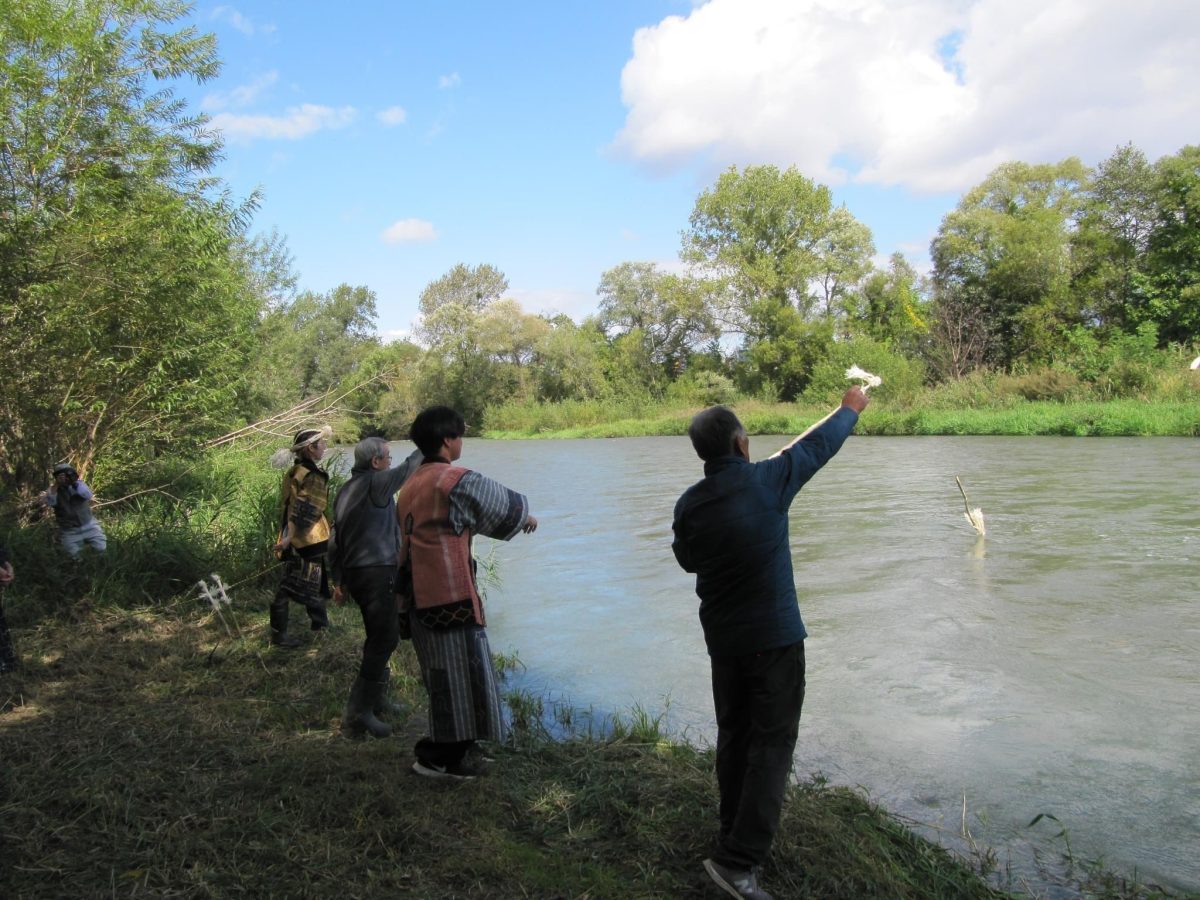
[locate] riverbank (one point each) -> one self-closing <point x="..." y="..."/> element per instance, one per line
<point x="1118" y="418"/>
<point x="167" y="751"/>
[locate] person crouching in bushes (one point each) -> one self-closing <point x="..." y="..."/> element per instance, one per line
<point x="440" y="509"/>
<point x="303" y="538"/>
<point x="71" y="500"/>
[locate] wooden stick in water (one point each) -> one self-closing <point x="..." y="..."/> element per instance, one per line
<point x="974" y="516"/>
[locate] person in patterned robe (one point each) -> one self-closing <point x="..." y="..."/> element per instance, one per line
<point x="440" y="510"/>
<point x="303" y="538"/>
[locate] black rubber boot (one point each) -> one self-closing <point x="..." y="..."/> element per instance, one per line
<point x="279" y="624"/>
<point x="385" y="705"/>
<point x="359" y="719"/>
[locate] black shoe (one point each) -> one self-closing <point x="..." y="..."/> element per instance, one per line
<point x="359" y="720"/>
<point x="735" y="882"/>
<point x="283" y="641"/>
<point x="459" y="771"/>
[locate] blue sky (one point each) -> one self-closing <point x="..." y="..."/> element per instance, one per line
<point x="555" y="140"/>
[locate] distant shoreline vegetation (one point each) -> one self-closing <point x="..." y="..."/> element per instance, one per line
<point x="1117" y="418"/>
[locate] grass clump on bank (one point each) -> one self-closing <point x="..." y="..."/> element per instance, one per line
<point x="151" y="752"/>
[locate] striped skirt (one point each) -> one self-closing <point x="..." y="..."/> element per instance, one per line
<point x="456" y="666"/>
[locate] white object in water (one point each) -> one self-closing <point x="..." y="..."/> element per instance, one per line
<point x="974" y="515"/>
<point x="1195" y="363"/>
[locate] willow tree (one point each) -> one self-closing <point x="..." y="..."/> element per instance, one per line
<point x="125" y="320"/>
<point x="786" y="258"/>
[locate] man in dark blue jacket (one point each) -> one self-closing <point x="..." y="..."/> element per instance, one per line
<point x="731" y="530"/>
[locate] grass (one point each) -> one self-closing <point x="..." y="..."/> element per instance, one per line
<point x="149" y="752"/>
<point x="1021" y="418"/>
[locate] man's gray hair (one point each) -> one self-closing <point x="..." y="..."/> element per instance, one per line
<point x="368" y="449"/>
<point x="714" y="432"/>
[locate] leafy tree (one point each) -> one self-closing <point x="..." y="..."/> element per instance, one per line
<point x="845" y="253"/>
<point x="1007" y="248"/>
<point x="314" y="342"/>
<point x="774" y="240"/>
<point x="389" y="399"/>
<point x="761" y="230"/>
<point x="124" y="319"/>
<point x="479" y="345"/>
<point x="570" y="361"/>
<point x="670" y="314"/>
<point x="889" y="307"/>
<point x="778" y="365"/>
<point x="1171" y="281"/>
<point x="509" y="334"/>
<point x="462" y="291"/>
<point x="1115" y="223"/>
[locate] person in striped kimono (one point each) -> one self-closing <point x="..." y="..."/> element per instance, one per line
<point x="440" y="510"/>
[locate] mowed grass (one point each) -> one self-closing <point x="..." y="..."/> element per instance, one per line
<point x="161" y="752"/>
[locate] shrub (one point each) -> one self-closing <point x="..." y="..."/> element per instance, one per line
<point x="703" y="388"/>
<point x="902" y="377"/>
<point x="1045" y="383"/>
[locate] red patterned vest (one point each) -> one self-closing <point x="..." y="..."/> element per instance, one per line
<point x="443" y="570"/>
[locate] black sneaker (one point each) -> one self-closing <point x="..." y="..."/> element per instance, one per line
<point x="459" y="771"/>
<point x="735" y="882"/>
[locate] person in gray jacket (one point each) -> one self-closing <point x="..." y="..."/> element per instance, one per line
<point x="71" y="500"/>
<point x="363" y="559"/>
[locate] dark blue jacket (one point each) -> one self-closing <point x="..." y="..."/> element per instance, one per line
<point x="731" y="529"/>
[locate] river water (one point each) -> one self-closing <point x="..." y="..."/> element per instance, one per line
<point x="1049" y="668"/>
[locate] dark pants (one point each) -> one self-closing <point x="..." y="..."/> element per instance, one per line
<point x="373" y="589"/>
<point x="304" y="582"/>
<point x="758" y="699"/>
<point x="8" y="656"/>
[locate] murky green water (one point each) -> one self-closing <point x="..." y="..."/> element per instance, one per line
<point x="1049" y="668"/>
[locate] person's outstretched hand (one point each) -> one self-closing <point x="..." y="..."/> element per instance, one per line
<point x="856" y="398"/>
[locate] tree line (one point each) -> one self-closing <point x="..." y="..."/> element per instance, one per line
<point x="141" y="316"/>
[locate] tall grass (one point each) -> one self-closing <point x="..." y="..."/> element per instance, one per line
<point x="178" y="522"/>
<point x="983" y="404"/>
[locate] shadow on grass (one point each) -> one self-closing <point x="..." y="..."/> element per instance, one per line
<point x="152" y="754"/>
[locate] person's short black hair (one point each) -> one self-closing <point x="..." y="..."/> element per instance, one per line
<point x="714" y="432"/>
<point x="432" y="426"/>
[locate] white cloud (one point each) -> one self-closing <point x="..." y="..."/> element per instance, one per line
<point x="231" y="16"/>
<point x="393" y="115"/>
<point x="929" y="94"/>
<point x="449" y="81"/>
<point x="243" y="95"/>
<point x="296" y="123"/>
<point x="407" y="231"/>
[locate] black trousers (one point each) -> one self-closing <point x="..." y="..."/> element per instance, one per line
<point x="304" y="582"/>
<point x="373" y="589"/>
<point x="758" y="698"/>
<point x="8" y="656"/>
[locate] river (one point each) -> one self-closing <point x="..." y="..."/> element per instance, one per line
<point x="1048" y="668"/>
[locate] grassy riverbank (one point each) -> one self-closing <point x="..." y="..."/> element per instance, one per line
<point x="163" y="752"/>
<point x="1018" y="418"/>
